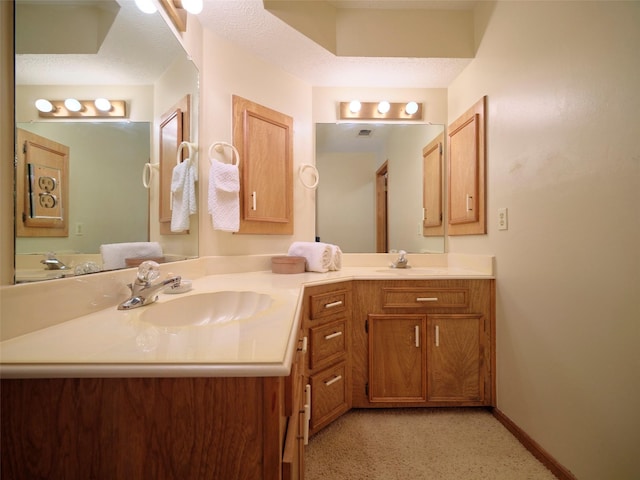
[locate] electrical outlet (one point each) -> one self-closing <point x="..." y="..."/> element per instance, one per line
<point x="503" y="219"/>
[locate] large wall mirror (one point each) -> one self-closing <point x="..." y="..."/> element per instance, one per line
<point x="356" y="162"/>
<point x="100" y="48"/>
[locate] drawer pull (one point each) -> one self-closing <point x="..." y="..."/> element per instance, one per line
<point x="332" y="335"/>
<point x="417" y="336"/>
<point x="307" y="413"/>
<point x="437" y="336"/>
<point x="335" y="379"/>
<point x="427" y="299"/>
<point x="333" y="304"/>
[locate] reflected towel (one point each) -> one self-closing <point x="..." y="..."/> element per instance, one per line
<point x="114" y="254"/>
<point x="183" y="199"/>
<point x="318" y="255"/>
<point x="224" y="200"/>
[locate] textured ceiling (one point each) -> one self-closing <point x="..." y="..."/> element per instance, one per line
<point x="138" y="49"/>
<point x="248" y="24"/>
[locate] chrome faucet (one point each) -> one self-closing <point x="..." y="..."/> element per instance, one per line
<point x="52" y="263"/>
<point x="143" y="291"/>
<point x="401" y="261"/>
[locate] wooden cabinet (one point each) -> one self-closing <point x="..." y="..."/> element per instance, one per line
<point x="466" y="172"/>
<point x="397" y="358"/>
<point x="264" y="139"/>
<point x="326" y="314"/>
<point x="423" y="343"/>
<point x="432" y="185"/>
<point x="171" y="428"/>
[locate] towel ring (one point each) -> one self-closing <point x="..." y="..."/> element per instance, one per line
<point x="306" y="166"/>
<point x="191" y="146"/>
<point x="146" y="173"/>
<point x="219" y="147"/>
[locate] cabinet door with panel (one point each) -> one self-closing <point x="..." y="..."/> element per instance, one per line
<point x="397" y="358"/>
<point x="456" y="356"/>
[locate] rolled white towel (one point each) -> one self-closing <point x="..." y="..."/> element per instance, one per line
<point x="336" y="258"/>
<point x="318" y="255"/>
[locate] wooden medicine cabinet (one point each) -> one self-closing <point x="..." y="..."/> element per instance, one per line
<point x="466" y="172"/>
<point x="264" y="140"/>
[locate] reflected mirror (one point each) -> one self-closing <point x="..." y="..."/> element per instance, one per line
<point x="90" y="49"/>
<point x="355" y="162"/>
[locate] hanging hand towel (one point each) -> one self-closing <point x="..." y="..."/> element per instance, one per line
<point x="317" y="254"/>
<point x="183" y="192"/>
<point x="224" y="200"/>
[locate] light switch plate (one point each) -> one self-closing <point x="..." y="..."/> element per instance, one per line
<point x="503" y="219"/>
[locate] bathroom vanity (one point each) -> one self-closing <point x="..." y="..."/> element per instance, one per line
<point x="117" y="394"/>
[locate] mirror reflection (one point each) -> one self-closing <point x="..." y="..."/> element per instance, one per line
<point x="355" y="161"/>
<point x="121" y="53"/>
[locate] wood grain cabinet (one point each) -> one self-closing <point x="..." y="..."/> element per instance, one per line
<point x="423" y="343"/>
<point x="325" y="317"/>
<point x="163" y="428"/>
<point x="264" y="139"/>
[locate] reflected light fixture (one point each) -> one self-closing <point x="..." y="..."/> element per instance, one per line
<point x="355" y="106"/>
<point x="382" y="110"/>
<point x="78" y="109"/>
<point x="102" y="104"/>
<point x="73" y="105"/>
<point x="44" y="105"/>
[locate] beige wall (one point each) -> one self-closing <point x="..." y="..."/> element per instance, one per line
<point x="564" y="158"/>
<point x="229" y="70"/>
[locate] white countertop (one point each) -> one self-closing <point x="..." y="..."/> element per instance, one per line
<point x="114" y="343"/>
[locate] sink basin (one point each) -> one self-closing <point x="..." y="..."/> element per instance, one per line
<point x="212" y="308"/>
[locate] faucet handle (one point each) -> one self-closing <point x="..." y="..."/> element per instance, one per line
<point x="148" y="271"/>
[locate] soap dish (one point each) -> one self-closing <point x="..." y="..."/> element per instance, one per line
<point x="184" y="287"/>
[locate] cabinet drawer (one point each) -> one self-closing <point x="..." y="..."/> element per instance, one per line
<point x="328" y="395"/>
<point x="425" y="297"/>
<point x="327" y="343"/>
<point x="326" y="304"/>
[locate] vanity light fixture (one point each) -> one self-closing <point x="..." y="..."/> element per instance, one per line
<point x="77" y="109"/>
<point x="73" y="105"/>
<point x="354" y="106"/>
<point x="383" y="110"/>
<point x="384" y="106"/>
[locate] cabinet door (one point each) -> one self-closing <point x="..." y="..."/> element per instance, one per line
<point x="264" y="139"/>
<point x="466" y="170"/>
<point x="397" y="358"/>
<point x="456" y="350"/>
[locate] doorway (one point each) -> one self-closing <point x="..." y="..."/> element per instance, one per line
<point x="382" y="240"/>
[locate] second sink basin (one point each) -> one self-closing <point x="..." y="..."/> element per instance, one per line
<point x="212" y="308"/>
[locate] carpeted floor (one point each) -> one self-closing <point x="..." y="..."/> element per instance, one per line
<point x="416" y="444"/>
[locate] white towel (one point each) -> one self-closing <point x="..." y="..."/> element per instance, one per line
<point x="114" y="254"/>
<point x="336" y="258"/>
<point x="224" y="200"/>
<point x="183" y="189"/>
<point x="318" y="255"/>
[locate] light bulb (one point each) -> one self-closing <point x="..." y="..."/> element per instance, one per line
<point x="72" y="105"/>
<point x="384" y="106"/>
<point x="147" y="6"/>
<point x="192" y="6"/>
<point x="411" y="108"/>
<point x="43" y="105"/>
<point x="102" y="104"/>
<point x="355" y="106"/>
